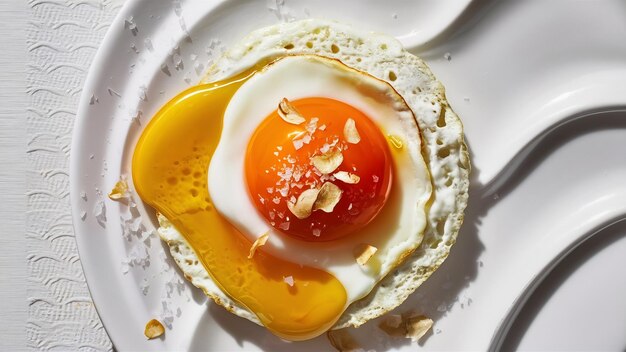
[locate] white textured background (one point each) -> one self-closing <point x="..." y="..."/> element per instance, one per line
<point x="47" y="46"/>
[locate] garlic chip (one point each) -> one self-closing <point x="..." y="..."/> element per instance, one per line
<point x="304" y="204"/>
<point x="328" y="196"/>
<point x="364" y="252"/>
<point x="342" y="341"/>
<point x="328" y="162"/>
<point x="408" y="326"/>
<point x="154" y="329"/>
<point x="350" y="132"/>
<point x="347" y="177"/>
<point x="288" y="113"/>
<point x="417" y="327"/>
<point x="258" y="243"/>
<point x="120" y="190"/>
<point x="393" y="325"/>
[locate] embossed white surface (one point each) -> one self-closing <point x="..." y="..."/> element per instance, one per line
<point x="61" y="39"/>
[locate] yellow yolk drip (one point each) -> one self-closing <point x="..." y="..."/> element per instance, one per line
<point x="169" y="168"/>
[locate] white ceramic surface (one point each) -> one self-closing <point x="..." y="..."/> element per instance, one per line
<point x="526" y="78"/>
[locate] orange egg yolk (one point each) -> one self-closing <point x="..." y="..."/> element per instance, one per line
<point x="169" y="169"/>
<point x="280" y="166"/>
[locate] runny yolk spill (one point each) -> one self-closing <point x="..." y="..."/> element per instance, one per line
<point x="169" y="169"/>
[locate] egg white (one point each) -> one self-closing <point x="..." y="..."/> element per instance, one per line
<point x="398" y="228"/>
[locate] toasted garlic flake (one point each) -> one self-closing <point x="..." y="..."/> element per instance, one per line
<point x="328" y="162"/>
<point x="347" y="177"/>
<point x="364" y="252"/>
<point x="417" y="327"/>
<point x="120" y="190"/>
<point x="393" y="326"/>
<point x="350" y="132"/>
<point x="342" y="341"/>
<point x="412" y="327"/>
<point x="258" y="243"/>
<point x="154" y="329"/>
<point x="304" y="204"/>
<point x="288" y="113"/>
<point x="328" y="196"/>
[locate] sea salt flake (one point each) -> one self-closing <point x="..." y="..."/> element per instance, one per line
<point x="198" y="67"/>
<point x="100" y="213"/>
<point x="143" y="93"/>
<point x="148" y="44"/>
<point x="144" y="286"/>
<point x="289" y="280"/>
<point x="165" y="69"/>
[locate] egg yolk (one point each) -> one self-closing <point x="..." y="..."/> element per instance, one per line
<point x="281" y="161"/>
<point x="169" y="169"/>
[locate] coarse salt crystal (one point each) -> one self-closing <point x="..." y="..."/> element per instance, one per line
<point x="148" y="44"/>
<point x="100" y="213"/>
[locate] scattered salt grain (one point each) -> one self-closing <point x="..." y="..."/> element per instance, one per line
<point x="112" y="92"/>
<point x="99" y="212"/>
<point x="130" y="24"/>
<point x="447" y="56"/>
<point x="143" y="93"/>
<point x="83" y="195"/>
<point x="83" y="215"/>
<point x="144" y="286"/>
<point x="165" y="69"/>
<point x="125" y="267"/>
<point x="178" y="10"/>
<point x="148" y="44"/>
<point x="288" y="280"/>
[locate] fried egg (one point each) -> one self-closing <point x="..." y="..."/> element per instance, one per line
<point x="279" y="124"/>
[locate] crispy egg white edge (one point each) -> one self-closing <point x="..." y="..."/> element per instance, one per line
<point x="248" y="108"/>
<point x="415" y="82"/>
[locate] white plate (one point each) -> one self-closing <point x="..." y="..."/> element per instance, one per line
<point x="518" y="74"/>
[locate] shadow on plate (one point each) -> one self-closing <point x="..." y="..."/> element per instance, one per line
<point x="556" y="278"/>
